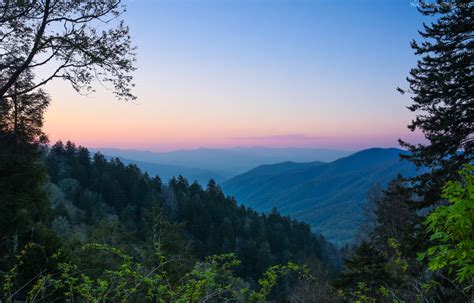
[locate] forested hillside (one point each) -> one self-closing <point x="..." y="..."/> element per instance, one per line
<point x="90" y="193"/>
<point x="76" y="227"/>
<point x="328" y="196"/>
<point x="168" y="171"/>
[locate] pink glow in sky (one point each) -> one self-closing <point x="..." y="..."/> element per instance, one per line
<point x="250" y="73"/>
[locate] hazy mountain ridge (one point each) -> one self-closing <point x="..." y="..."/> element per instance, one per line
<point x="330" y="197"/>
<point x="167" y="171"/>
<point x="218" y="164"/>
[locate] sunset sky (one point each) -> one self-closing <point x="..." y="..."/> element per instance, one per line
<point x="228" y="73"/>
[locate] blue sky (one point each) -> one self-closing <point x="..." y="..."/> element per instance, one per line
<point x="300" y="73"/>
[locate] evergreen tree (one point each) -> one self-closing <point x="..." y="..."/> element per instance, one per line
<point x="111" y="203"/>
<point x="23" y="201"/>
<point x="390" y="216"/>
<point x="366" y="265"/>
<point x="442" y="88"/>
<point x="442" y="85"/>
<point x="22" y="115"/>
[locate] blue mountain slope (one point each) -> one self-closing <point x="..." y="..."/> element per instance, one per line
<point x="328" y="196"/>
<point x="227" y="162"/>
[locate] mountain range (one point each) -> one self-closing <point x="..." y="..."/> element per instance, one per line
<point x="168" y="171"/>
<point x="328" y="196"/>
<point x="203" y="164"/>
<point x="325" y="188"/>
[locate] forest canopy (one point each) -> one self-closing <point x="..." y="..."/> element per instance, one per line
<point x="80" y="227"/>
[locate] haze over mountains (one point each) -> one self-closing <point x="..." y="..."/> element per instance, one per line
<point x="328" y="196"/>
<point x="325" y="188"/>
<point x="219" y="164"/>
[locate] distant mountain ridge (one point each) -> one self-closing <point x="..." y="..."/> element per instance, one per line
<point x="166" y="172"/>
<point x="328" y="196"/>
<point x="218" y="164"/>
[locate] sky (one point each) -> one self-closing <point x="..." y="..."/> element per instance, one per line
<point x="276" y="73"/>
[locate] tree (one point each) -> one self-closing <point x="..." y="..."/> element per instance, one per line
<point x="61" y="37"/>
<point x="110" y="275"/>
<point x="64" y="38"/>
<point x="23" y="201"/>
<point x="390" y="216"/>
<point x="366" y="264"/>
<point x="442" y="88"/>
<point x="22" y="115"/>
<point x="451" y="228"/>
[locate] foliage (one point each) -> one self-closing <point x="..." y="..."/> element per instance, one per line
<point x="441" y="86"/>
<point x="98" y="189"/>
<point x="22" y="115"/>
<point x="23" y="201"/>
<point x="77" y="41"/>
<point x="320" y="194"/>
<point x="451" y="230"/>
<point x="105" y="232"/>
<point x="273" y="275"/>
<point x="128" y="280"/>
<point x="24" y="204"/>
<point x="374" y="275"/>
<point x="389" y="217"/>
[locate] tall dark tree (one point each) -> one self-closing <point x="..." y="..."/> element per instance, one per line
<point x="22" y="115"/>
<point x="389" y="216"/>
<point x="24" y="205"/>
<point x="368" y="265"/>
<point x="442" y="88"/>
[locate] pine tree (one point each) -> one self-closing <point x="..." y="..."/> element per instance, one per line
<point x="24" y="205"/>
<point x="366" y="265"/>
<point x="442" y="85"/>
<point x="390" y="216"/>
<point x="22" y="115"/>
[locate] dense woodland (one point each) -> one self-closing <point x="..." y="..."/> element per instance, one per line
<point x="321" y="194"/>
<point x="76" y="227"/>
<point x="95" y="192"/>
